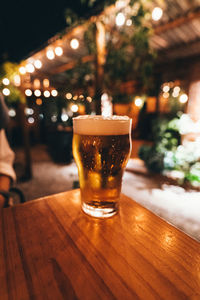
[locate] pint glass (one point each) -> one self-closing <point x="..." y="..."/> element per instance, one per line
<point x="101" y="148"/>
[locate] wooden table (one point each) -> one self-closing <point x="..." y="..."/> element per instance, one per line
<point x="49" y="249"/>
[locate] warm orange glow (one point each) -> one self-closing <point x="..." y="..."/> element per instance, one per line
<point x="36" y="83"/>
<point x="39" y="101"/>
<point x="68" y="96"/>
<point x="28" y="92"/>
<point x="46" y="82"/>
<point x="17" y="80"/>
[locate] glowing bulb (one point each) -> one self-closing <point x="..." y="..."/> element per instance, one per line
<point x="6" y="81"/>
<point x="17" y="80"/>
<point x="157" y="13"/>
<point x="138" y="102"/>
<point x="64" y="117"/>
<point x="68" y="96"/>
<point x="50" y="54"/>
<point x="37" y="93"/>
<point x="74" y="108"/>
<point x="22" y="70"/>
<point x="47" y="94"/>
<point x="74" y="44"/>
<point x="120" y="19"/>
<point x="12" y="112"/>
<point x="165" y="95"/>
<point x="39" y="101"/>
<point x="75" y="97"/>
<point x="36" y="83"/>
<point x="58" y="51"/>
<point x="6" y="92"/>
<point x="129" y="22"/>
<point x="30" y="68"/>
<point x="31" y="120"/>
<point x="38" y="64"/>
<point x="54" y="93"/>
<point x="89" y="99"/>
<point x="28" y="92"/>
<point x="177" y="89"/>
<point x="166" y="88"/>
<point x="46" y="82"/>
<point x="183" y="98"/>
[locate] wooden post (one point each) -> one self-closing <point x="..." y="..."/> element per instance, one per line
<point x="193" y="108"/>
<point x="100" y="60"/>
<point x="25" y="133"/>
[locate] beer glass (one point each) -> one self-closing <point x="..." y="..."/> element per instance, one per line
<point x="101" y="149"/>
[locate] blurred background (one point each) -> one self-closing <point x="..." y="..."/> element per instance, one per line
<point x="137" y="58"/>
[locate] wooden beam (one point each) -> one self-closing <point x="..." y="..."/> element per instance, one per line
<point x="177" y="22"/>
<point x="71" y="64"/>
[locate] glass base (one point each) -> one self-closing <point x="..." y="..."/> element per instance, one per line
<point x="99" y="212"/>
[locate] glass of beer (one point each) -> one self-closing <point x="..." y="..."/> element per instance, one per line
<point x="101" y="148"/>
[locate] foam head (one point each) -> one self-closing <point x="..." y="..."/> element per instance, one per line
<point x="99" y="125"/>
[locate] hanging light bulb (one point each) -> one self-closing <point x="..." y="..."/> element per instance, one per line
<point x="17" y="80"/>
<point x="38" y="64"/>
<point x="22" y="70"/>
<point x="183" y="98"/>
<point x="6" y="92"/>
<point x="46" y="83"/>
<point x="47" y="94"/>
<point x="58" y="51"/>
<point x="28" y="92"/>
<point x="37" y="93"/>
<point x="74" y="43"/>
<point x="68" y="96"/>
<point x="120" y="19"/>
<point x="157" y="13"/>
<point x="6" y="81"/>
<point x="54" y="93"/>
<point x="50" y="54"/>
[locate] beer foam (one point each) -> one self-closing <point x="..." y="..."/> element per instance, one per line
<point x="100" y="125"/>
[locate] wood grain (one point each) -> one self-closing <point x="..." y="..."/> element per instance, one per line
<point x="49" y="249"/>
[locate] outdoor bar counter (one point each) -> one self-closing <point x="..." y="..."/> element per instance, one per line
<point x="49" y="249"/>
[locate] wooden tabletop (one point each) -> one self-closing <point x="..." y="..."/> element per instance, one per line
<point x="49" y="249"/>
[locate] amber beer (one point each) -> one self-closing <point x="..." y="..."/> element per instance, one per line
<point x="101" y="148"/>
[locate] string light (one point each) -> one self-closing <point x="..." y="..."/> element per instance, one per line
<point x="165" y="95"/>
<point x="28" y="111"/>
<point x="30" y="68"/>
<point x="38" y="64"/>
<point x="28" y="92"/>
<point x="68" y="96"/>
<point x="138" y="102"/>
<point x="157" y="13"/>
<point x="22" y="70"/>
<point x="89" y="99"/>
<point x="166" y="88"/>
<point x="12" y="113"/>
<point x="74" y="108"/>
<point x="129" y="22"/>
<point x="47" y="94"/>
<point x="120" y="19"/>
<point x="17" y="80"/>
<point x="183" y="98"/>
<point x="50" y="54"/>
<point x="31" y="120"/>
<point x="58" y="51"/>
<point x="54" y="93"/>
<point x="36" y="83"/>
<point x="74" y="43"/>
<point x="6" y="81"/>
<point x="75" y="97"/>
<point x="46" y="82"/>
<point x="6" y="92"/>
<point x="64" y="117"/>
<point x="37" y="93"/>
